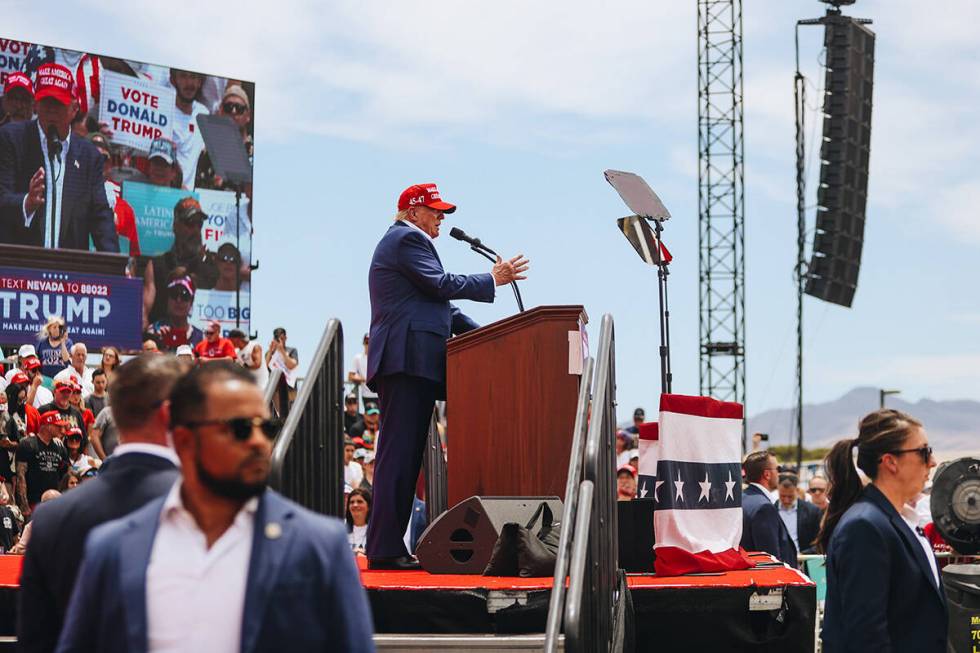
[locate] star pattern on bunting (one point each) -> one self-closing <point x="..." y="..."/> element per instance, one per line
<point x="705" y="488"/>
<point x="679" y="484"/>
<point x="656" y="488"/>
<point x="729" y="488"/>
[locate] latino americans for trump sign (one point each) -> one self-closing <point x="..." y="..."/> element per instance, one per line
<point x="137" y="111"/>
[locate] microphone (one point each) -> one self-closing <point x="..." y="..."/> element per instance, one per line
<point x="459" y="234"/>
<point x="485" y="252"/>
<point x="54" y="143"/>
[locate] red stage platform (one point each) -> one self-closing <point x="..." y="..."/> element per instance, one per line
<point x="768" y="608"/>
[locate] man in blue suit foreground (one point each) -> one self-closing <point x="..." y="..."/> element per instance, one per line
<point x="762" y="529"/>
<point x="220" y="564"/>
<point x="411" y="319"/>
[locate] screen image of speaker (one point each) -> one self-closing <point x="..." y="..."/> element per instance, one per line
<point x="461" y="540"/>
<point x="844" y="159"/>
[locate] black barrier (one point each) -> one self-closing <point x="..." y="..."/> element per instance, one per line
<point x="308" y="455"/>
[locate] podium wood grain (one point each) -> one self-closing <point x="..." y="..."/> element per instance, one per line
<point x="511" y="405"/>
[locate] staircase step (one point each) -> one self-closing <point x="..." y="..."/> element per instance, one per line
<point x="413" y="643"/>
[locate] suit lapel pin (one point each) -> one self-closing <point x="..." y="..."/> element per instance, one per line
<point x="273" y="531"/>
<point x="76" y="164"/>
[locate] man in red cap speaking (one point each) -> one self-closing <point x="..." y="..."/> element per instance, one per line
<point x="52" y="190"/>
<point x="411" y="319"/>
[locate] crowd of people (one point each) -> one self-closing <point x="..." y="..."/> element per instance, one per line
<point x="57" y="418"/>
<point x="178" y="528"/>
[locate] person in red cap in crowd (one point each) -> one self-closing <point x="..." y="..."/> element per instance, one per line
<point x="17" y="422"/>
<point x="37" y="394"/>
<point x="122" y="210"/>
<point x="188" y="251"/>
<point x="72" y="416"/>
<point x="42" y="460"/>
<point x="51" y="183"/>
<point x="174" y="329"/>
<point x="78" y="403"/>
<point x="626" y="483"/>
<point x="411" y="319"/>
<point x="214" y="347"/>
<point x="18" y="98"/>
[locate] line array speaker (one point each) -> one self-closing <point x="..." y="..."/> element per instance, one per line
<point x="844" y="153"/>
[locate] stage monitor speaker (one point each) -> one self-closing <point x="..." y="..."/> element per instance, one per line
<point x="955" y="504"/>
<point x="845" y="154"/>
<point x="636" y="535"/>
<point x="461" y="540"/>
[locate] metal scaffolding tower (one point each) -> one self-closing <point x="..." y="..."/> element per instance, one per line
<point x="721" y="260"/>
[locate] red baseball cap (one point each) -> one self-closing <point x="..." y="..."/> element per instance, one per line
<point x="18" y="80"/>
<point x="424" y="195"/>
<point x="30" y="363"/>
<point x="19" y="378"/>
<point x="53" y="417"/>
<point x="54" y="81"/>
<point x="60" y="386"/>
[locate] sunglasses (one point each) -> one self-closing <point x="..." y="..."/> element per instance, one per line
<point x="180" y="294"/>
<point x="228" y="258"/>
<point x="924" y="452"/>
<point x="241" y="427"/>
<point x="194" y="220"/>
<point x="234" y="108"/>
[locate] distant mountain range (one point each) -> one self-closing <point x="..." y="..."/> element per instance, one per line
<point x="953" y="426"/>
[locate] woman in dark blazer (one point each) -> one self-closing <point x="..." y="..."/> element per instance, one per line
<point x="884" y="591"/>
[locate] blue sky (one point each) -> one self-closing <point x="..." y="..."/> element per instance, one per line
<point x="515" y="110"/>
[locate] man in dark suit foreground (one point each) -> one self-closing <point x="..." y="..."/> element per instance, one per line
<point x="762" y="529"/>
<point x="220" y="563"/>
<point x="52" y="186"/>
<point x="142" y="468"/>
<point x="411" y="319"/>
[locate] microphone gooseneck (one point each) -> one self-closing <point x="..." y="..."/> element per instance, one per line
<point x="485" y="252"/>
<point x="54" y="143"/>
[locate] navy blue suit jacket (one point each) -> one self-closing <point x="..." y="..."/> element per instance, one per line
<point x="303" y="591"/>
<point x="84" y="209"/>
<point x="762" y="529"/>
<point x="411" y="317"/>
<point x="881" y="593"/>
<point x="124" y="483"/>
<point x="808" y="518"/>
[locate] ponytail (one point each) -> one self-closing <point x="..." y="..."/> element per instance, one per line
<point x="844" y="488"/>
<point x="879" y="433"/>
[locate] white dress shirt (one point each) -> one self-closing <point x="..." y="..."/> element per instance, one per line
<point x="788" y="515"/>
<point x="57" y="176"/>
<point x="195" y="595"/>
<point x="418" y="229"/>
<point x="910" y="518"/>
<point x="124" y="448"/>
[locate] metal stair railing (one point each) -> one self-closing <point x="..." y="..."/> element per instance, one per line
<point x="556" y="604"/>
<point x="594" y="620"/>
<point x="436" y="474"/>
<point x="308" y="454"/>
<point x="594" y="607"/>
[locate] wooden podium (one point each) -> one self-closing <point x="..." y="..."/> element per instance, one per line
<point x="512" y="388"/>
